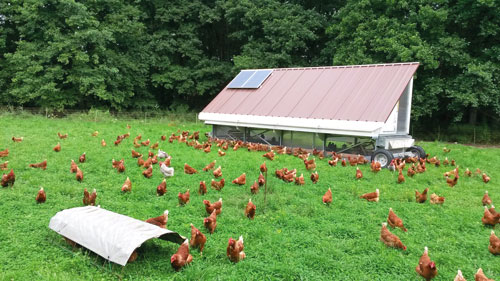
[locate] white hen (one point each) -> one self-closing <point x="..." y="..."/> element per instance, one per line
<point x="162" y="154"/>
<point x="167" y="171"/>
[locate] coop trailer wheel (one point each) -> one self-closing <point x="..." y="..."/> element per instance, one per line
<point x="417" y="151"/>
<point x="382" y="156"/>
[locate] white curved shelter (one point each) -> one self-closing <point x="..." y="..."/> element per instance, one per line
<point x="110" y="235"/>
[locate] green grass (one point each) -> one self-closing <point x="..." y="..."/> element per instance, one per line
<point x="296" y="238"/>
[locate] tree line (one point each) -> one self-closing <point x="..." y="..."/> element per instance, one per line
<point x="124" y="54"/>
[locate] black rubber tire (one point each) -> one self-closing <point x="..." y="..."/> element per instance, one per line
<point x="383" y="156"/>
<point x="417" y="150"/>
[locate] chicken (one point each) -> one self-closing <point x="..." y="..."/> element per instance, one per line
<point x="210" y="222"/>
<point x="394" y="221"/>
<point x="359" y="174"/>
<point x="217" y="172"/>
<point x="389" y="239"/>
<point x="4" y="165"/>
<point x="160" y="221"/>
<point x="57" y="148"/>
<point x="207" y="149"/>
<point x="162" y="154"/>
<point x="8" y="179"/>
<point x="103" y="143"/>
<point x="446" y="162"/>
<point x="411" y="172"/>
<point x="452" y="182"/>
<point x="479" y="276"/>
<point x="375" y="166"/>
<point x="310" y="164"/>
<point x="468" y="173"/>
<point x="82" y="158"/>
<point x="86" y="197"/>
<point x="446" y="150"/>
<point x="183" y="197"/>
<point x="127" y="185"/>
<point x="241" y="180"/>
<point x="254" y="189"/>
<point x="401" y="177"/>
<point x="269" y="155"/>
<point x="333" y="162"/>
<point x="14" y="139"/>
<point x="250" y="210"/>
<point x="166" y="171"/>
<point x="494" y="246"/>
<point x="93" y="197"/>
<point x="459" y="276"/>
<point x="148" y="173"/>
<point x="327" y="197"/>
<point x="120" y="168"/>
<point x="62" y="136"/>
<point x="426" y="268"/>
<point x="453" y="163"/>
<point x="486" y="179"/>
<point x="489" y="218"/>
<point x="218" y="185"/>
<point x="435" y="199"/>
<point x="189" y="170"/>
<point x="216" y="206"/>
<point x="221" y="153"/>
<point x="4" y="153"/>
<point x="300" y="180"/>
<point x="372" y="196"/>
<point x="41" y="165"/>
<point x="161" y="188"/>
<point x="421" y="197"/>
<point x="210" y="166"/>
<point x="494" y="212"/>
<point x="235" y="250"/>
<point x="181" y="257"/>
<point x="203" y="188"/>
<point x="154" y="145"/>
<point x="148" y="163"/>
<point x="95" y="133"/>
<point x="392" y="166"/>
<point x="79" y="174"/>
<point x="135" y="154"/>
<point x="315" y="177"/>
<point x="73" y="167"/>
<point x="198" y="239"/>
<point x="263" y="167"/>
<point x="261" y="180"/>
<point x="41" y="197"/>
<point x="146" y="143"/>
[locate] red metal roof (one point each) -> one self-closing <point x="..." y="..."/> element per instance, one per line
<point x="355" y="93"/>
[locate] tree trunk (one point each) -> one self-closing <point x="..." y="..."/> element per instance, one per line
<point x="473" y="116"/>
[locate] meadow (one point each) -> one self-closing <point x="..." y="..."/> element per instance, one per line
<point x="294" y="236"/>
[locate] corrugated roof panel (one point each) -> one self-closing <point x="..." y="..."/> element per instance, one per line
<point x="267" y="87"/>
<point x="288" y="105"/>
<point x="360" y="92"/>
<point x="279" y="94"/>
<point x="338" y="95"/>
<point x="392" y="95"/>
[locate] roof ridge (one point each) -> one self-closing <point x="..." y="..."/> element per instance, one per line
<point x="336" y="66"/>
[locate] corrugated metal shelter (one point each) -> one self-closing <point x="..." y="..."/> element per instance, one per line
<point x="112" y="236"/>
<point x="356" y="100"/>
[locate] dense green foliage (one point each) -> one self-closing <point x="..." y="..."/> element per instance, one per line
<point x="146" y="54"/>
<point x="295" y="237"/>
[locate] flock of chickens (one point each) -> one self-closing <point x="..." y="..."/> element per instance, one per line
<point x="426" y="268"/>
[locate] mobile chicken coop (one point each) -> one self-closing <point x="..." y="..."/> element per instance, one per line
<point x="358" y="109"/>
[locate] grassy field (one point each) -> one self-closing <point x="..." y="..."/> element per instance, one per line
<point x="297" y="237"/>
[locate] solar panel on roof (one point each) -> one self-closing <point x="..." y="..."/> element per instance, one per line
<point x="241" y="78"/>
<point x="256" y="80"/>
<point x="249" y="79"/>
